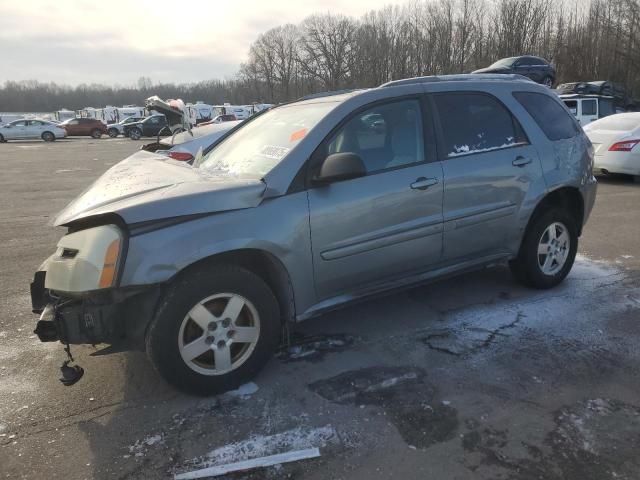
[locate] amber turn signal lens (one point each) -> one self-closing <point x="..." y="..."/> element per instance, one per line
<point x="110" y="262"/>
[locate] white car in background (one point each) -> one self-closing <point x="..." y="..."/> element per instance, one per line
<point x="31" y="129"/>
<point x="615" y="141"/>
<point x="184" y="146"/>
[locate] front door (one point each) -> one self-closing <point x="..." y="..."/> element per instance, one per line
<point x="388" y="223"/>
<point x="488" y="166"/>
<point x="17" y="129"/>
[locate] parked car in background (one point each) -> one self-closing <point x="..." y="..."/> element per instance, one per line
<point x="148" y="127"/>
<point x="31" y="129"/>
<point x="80" y="127"/>
<point x="622" y="100"/>
<point x="184" y="146"/>
<point x="589" y="108"/>
<point x="615" y="142"/>
<point x="116" y="129"/>
<point x="535" y="68"/>
<point x="306" y="207"/>
<point x="219" y="119"/>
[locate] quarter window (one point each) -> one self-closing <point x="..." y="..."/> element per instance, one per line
<point x="385" y="136"/>
<point x="553" y="120"/>
<point x="474" y="123"/>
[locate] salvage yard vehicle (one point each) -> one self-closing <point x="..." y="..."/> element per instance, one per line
<point x="31" y="129"/>
<point x="80" y="127"/>
<point x="535" y="68"/>
<point x="589" y="108"/>
<point x="311" y="205"/>
<point x="147" y="127"/>
<point x="615" y="141"/>
<point x="184" y="146"/>
<point x="116" y="129"/>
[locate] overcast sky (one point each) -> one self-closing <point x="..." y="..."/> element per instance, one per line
<point x="118" y="41"/>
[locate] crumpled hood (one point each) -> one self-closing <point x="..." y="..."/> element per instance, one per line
<point x="146" y="187"/>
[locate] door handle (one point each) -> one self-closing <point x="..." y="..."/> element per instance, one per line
<point x="521" y="162"/>
<point x="423" y="183"/>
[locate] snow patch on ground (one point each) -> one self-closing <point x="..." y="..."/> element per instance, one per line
<point x="263" y="445"/>
<point x="139" y="448"/>
<point x="244" y="391"/>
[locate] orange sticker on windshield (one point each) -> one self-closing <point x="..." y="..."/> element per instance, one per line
<point x="295" y="136"/>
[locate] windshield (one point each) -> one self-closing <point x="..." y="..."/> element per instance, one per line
<point x="622" y="123"/>
<point x="505" y="62"/>
<point x="261" y="144"/>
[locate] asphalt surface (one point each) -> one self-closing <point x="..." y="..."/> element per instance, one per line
<point x="474" y="377"/>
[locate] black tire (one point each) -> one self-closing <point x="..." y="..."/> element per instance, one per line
<point x="164" y="331"/>
<point x="96" y="134"/>
<point x="113" y="132"/>
<point x="526" y="267"/>
<point x="135" y="134"/>
<point x="2" y="140"/>
<point x="48" y="136"/>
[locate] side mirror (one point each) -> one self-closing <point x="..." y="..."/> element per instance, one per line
<point x="340" y="166"/>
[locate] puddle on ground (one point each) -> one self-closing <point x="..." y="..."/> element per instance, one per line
<point x="405" y="396"/>
<point x="313" y="347"/>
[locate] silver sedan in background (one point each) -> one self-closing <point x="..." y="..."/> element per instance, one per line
<point x="31" y="129"/>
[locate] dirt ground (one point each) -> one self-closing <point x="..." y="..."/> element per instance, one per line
<point x="473" y="377"/>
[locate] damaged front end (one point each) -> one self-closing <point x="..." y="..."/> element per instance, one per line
<point x="77" y="295"/>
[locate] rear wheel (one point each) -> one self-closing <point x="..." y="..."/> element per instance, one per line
<point x="215" y="331"/>
<point x="96" y="133"/>
<point x="113" y="132"/>
<point x="548" y="250"/>
<point x="135" y="134"/>
<point x="2" y="140"/>
<point x="48" y="137"/>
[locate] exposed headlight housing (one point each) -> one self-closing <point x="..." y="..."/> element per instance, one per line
<point x="86" y="260"/>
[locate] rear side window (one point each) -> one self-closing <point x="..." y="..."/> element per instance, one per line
<point x="555" y="121"/>
<point x="589" y="107"/>
<point x="572" y="105"/>
<point x="476" y="122"/>
<point x="606" y="108"/>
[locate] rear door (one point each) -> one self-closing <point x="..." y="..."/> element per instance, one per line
<point x="488" y="166"/>
<point x="35" y="128"/>
<point x="387" y="224"/>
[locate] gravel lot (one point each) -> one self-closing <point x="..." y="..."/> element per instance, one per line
<point x="473" y="377"/>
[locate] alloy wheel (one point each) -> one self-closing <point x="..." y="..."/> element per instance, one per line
<point x="553" y="248"/>
<point x="219" y="334"/>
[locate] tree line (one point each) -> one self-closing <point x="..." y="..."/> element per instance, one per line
<point x="585" y="39"/>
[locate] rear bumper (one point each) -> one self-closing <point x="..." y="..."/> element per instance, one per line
<point x="118" y="317"/>
<point x="617" y="162"/>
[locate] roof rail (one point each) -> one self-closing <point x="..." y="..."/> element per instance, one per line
<point x="463" y="77"/>
<point x="326" y="94"/>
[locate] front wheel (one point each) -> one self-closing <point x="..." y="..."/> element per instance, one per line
<point x="48" y="137"/>
<point x="113" y="133"/>
<point x="2" y="140"/>
<point x="215" y="330"/>
<point x="135" y="134"/>
<point x="548" y="250"/>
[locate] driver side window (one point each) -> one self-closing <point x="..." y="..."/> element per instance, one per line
<point x="385" y="136"/>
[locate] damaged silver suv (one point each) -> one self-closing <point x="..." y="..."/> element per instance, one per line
<point x="309" y="206"/>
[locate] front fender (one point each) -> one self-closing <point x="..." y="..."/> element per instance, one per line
<point x="278" y="226"/>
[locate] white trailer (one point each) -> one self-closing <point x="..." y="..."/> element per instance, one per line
<point x="200" y="112"/>
<point x="64" y="114"/>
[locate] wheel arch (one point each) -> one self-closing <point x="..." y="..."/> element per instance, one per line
<point x="567" y="198"/>
<point x="261" y="262"/>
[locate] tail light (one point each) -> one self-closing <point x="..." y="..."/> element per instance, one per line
<point x="181" y="156"/>
<point x="625" y="146"/>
